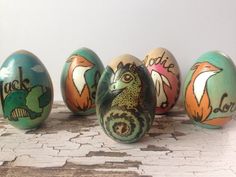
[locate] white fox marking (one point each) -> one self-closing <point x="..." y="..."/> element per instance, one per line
<point x="79" y="77"/>
<point x="159" y="81"/>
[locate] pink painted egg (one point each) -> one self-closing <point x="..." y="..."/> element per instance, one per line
<point x="165" y="73"/>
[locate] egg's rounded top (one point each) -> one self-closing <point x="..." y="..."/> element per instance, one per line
<point x="85" y="52"/>
<point x="89" y="55"/>
<point x="125" y="58"/>
<point x="157" y="51"/>
<point x="221" y="53"/>
<point x="22" y="51"/>
<point x="22" y="56"/>
<point x="215" y="55"/>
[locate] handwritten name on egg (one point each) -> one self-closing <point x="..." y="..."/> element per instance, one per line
<point x="15" y="84"/>
<point x="225" y="107"/>
<point x="162" y="60"/>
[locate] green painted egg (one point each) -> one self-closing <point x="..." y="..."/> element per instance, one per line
<point x="26" y="90"/>
<point x="209" y="90"/>
<point x="126" y="99"/>
<point x="79" y="80"/>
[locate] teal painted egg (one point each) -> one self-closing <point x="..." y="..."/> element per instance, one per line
<point x="26" y="90"/>
<point x="125" y="99"/>
<point x="79" y="80"/>
<point x="209" y="90"/>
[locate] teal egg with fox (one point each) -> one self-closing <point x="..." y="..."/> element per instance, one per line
<point x="79" y="79"/>
<point x="209" y="90"/>
<point x="26" y="90"/>
<point x="125" y="99"/>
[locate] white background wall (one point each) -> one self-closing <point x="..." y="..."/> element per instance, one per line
<point x="52" y="29"/>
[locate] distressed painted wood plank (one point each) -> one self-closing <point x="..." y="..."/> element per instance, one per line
<point x="67" y="145"/>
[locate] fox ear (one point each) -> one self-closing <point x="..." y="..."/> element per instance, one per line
<point x="70" y="59"/>
<point x="194" y="67"/>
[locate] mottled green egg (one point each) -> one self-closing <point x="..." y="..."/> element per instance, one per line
<point x="209" y="90"/>
<point x="26" y="90"/>
<point x="79" y="80"/>
<point x="125" y="99"/>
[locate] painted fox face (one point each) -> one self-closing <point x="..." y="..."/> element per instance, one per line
<point x="205" y="66"/>
<point x="80" y="61"/>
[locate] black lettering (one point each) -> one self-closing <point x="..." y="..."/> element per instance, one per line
<point x="233" y="107"/>
<point x="170" y="66"/>
<point x="7" y="87"/>
<point x="23" y="82"/>
<point x="14" y="84"/>
<point x="225" y="107"/>
<point x="160" y="60"/>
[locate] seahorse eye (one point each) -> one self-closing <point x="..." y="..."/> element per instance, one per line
<point x="127" y="78"/>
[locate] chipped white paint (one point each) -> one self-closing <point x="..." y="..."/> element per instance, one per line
<point x="173" y="147"/>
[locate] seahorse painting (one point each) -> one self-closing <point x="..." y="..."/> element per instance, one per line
<point x="126" y="110"/>
<point x="198" y="103"/>
<point x="126" y="79"/>
<point x="77" y="91"/>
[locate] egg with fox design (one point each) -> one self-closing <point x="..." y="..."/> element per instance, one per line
<point x="26" y="90"/>
<point x="165" y="73"/>
<point x="125" y="99"/>
<point x="209" y="90"/>
<point x="79" y="80"/>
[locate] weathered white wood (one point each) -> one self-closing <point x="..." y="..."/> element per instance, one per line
<point x="173" y="147"/>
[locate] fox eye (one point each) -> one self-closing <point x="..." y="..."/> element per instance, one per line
<point x="127" y="78"/>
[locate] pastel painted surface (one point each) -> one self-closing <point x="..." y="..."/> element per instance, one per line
<point x="26" y="90"/>
<point x="164" y="71"/>
<point x="79" y="81"/>
<point x="209" y="90"/>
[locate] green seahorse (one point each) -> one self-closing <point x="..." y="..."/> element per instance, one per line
<point x="125" y="121"/>
<point x="130" y="84"/>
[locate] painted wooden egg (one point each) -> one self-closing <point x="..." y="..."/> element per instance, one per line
<point x="26" y="90"/>
<point x="209" y="90"/>
<point x="165" y="73"/>
<point x="125" y="99"/>
<point x="79" y="80"/>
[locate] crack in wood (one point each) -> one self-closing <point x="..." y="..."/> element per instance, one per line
<point x="109" y="154"/>
<point x="155" y="148"/>
<point x="6" y="134"/>
<point x="65" y="171"/>
<point x="154" y="134"/>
